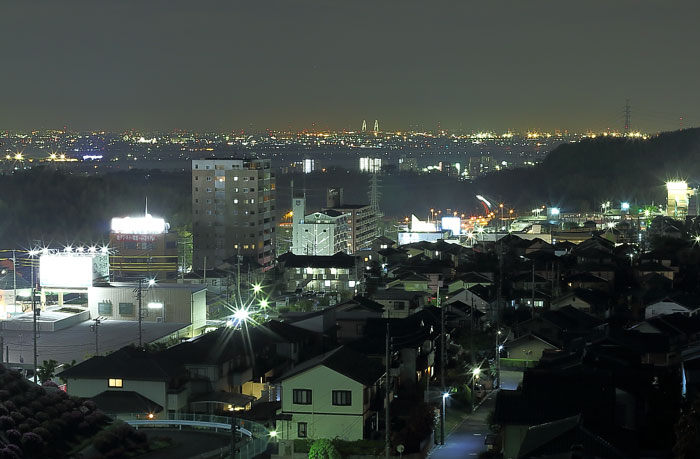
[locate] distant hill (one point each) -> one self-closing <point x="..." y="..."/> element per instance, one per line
<point x="579" y="176"/>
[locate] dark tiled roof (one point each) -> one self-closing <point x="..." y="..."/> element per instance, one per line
<point x="548" y="395"/>
<point x="126" y="363"/>
<point x="344" y="361"/>
<point x="396" y="294"/>
<point x="558" y="437"/>
<point x="474" y="278"/>
<point x="570" y="318"/>
<point x="125" y="401"/>
<point x="349" y="206"/>
<point x="586" y="277"/>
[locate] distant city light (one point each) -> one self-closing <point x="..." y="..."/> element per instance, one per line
<point x="625" y="206"/>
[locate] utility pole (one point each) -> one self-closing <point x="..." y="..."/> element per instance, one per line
<point x="139" y="294"/>
<point x="442" y="363"/>
<point x="34" y="323"/>
<point x="14" y="277"/>
<point x="533" y="287"/>
<point x="234" y="429"/>
<point x="95" y="329"/>
<point x="499" y="296"/>
<point x="387" y="420"/>
<point x="2" y="349"/>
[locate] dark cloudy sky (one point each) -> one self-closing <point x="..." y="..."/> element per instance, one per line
<point x="468" y="65"/>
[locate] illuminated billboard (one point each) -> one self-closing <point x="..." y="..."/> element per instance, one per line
<point x="453" y="224"/>
<point x="139" y="225"/>
<point x="72" y="270"/>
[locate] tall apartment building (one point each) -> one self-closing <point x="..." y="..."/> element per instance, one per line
<point x="233" y="211"/>
<point x="363" y="220"/>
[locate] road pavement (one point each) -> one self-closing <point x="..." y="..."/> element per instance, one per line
<point x="467" y="438"/>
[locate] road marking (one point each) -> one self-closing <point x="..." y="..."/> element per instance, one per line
<point x="477" y="434"/>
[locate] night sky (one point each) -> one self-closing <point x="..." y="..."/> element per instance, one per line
<point x="260" y="64"/>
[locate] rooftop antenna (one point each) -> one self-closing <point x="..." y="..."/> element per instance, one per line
<point x="628" y="116"/>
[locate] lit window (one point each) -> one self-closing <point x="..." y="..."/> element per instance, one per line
<point x="114" y="382"/>
<point x="235" y="201"/>
<point x="235" y="179"/>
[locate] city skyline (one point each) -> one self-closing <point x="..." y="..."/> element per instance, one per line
<point x="214" y="66"/>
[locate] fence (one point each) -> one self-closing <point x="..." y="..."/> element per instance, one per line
<point x="516" y="364"/>
<point x="255" y="436"/>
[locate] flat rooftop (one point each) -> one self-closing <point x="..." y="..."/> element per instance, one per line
<point x="77" y="342"/>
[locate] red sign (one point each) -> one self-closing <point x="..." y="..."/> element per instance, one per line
<point x="135" y="237"/>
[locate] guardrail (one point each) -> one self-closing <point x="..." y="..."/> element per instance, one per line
<point x="257" y="435"/>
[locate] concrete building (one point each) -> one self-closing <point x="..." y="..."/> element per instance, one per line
<point x="408" y="164"/>
<point x="142" y="247"/>
<point x="319" y="233"/>
<point x="233" y="211"/>
<point x="678" y="199"/>
<point x="363" y="220"/>
<point x="171" y="303"/>
<point x="337" y="273"/>
<point x="371" y="165"/>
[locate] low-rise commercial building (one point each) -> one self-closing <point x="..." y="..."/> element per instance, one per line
<point x="172" y="303"/>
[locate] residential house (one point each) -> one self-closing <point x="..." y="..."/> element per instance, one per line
<point x="334" y="395"/>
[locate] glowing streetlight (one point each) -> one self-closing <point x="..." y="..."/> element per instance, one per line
<point x="257" y="288"/>
<point x="241" y="314"/>
<point x="151" y="282"/>
<point x="273" y="433"/>
<point x="264" y="304"/>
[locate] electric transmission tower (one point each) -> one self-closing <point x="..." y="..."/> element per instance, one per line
<point x="374" y="195"/>
<point x="628" y="116"/>
<point x="376" y="125"/>
<point x="364" y="125"/>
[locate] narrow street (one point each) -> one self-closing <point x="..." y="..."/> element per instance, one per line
<point x="467" y="438"/>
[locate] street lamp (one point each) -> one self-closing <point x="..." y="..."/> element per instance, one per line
<point x="475" y="375"/>
<point x="257" y="288"/>
<point x="442" y="423"/>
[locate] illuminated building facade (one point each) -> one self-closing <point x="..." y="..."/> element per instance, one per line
<point x="678" y="199"/>
<point x="233" y="211"/>
<point x="362" y="220"/>
<point x="143" y="248"/>
<point x="320" y="233"/>
<point x="371" y="165"/>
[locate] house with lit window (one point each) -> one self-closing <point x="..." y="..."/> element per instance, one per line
<point x="334" y="395"/>
<point x="317" y="273"/>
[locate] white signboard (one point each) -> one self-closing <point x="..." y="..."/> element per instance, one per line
<point x="72" y="270"/>
<point x="453" y="224"/>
